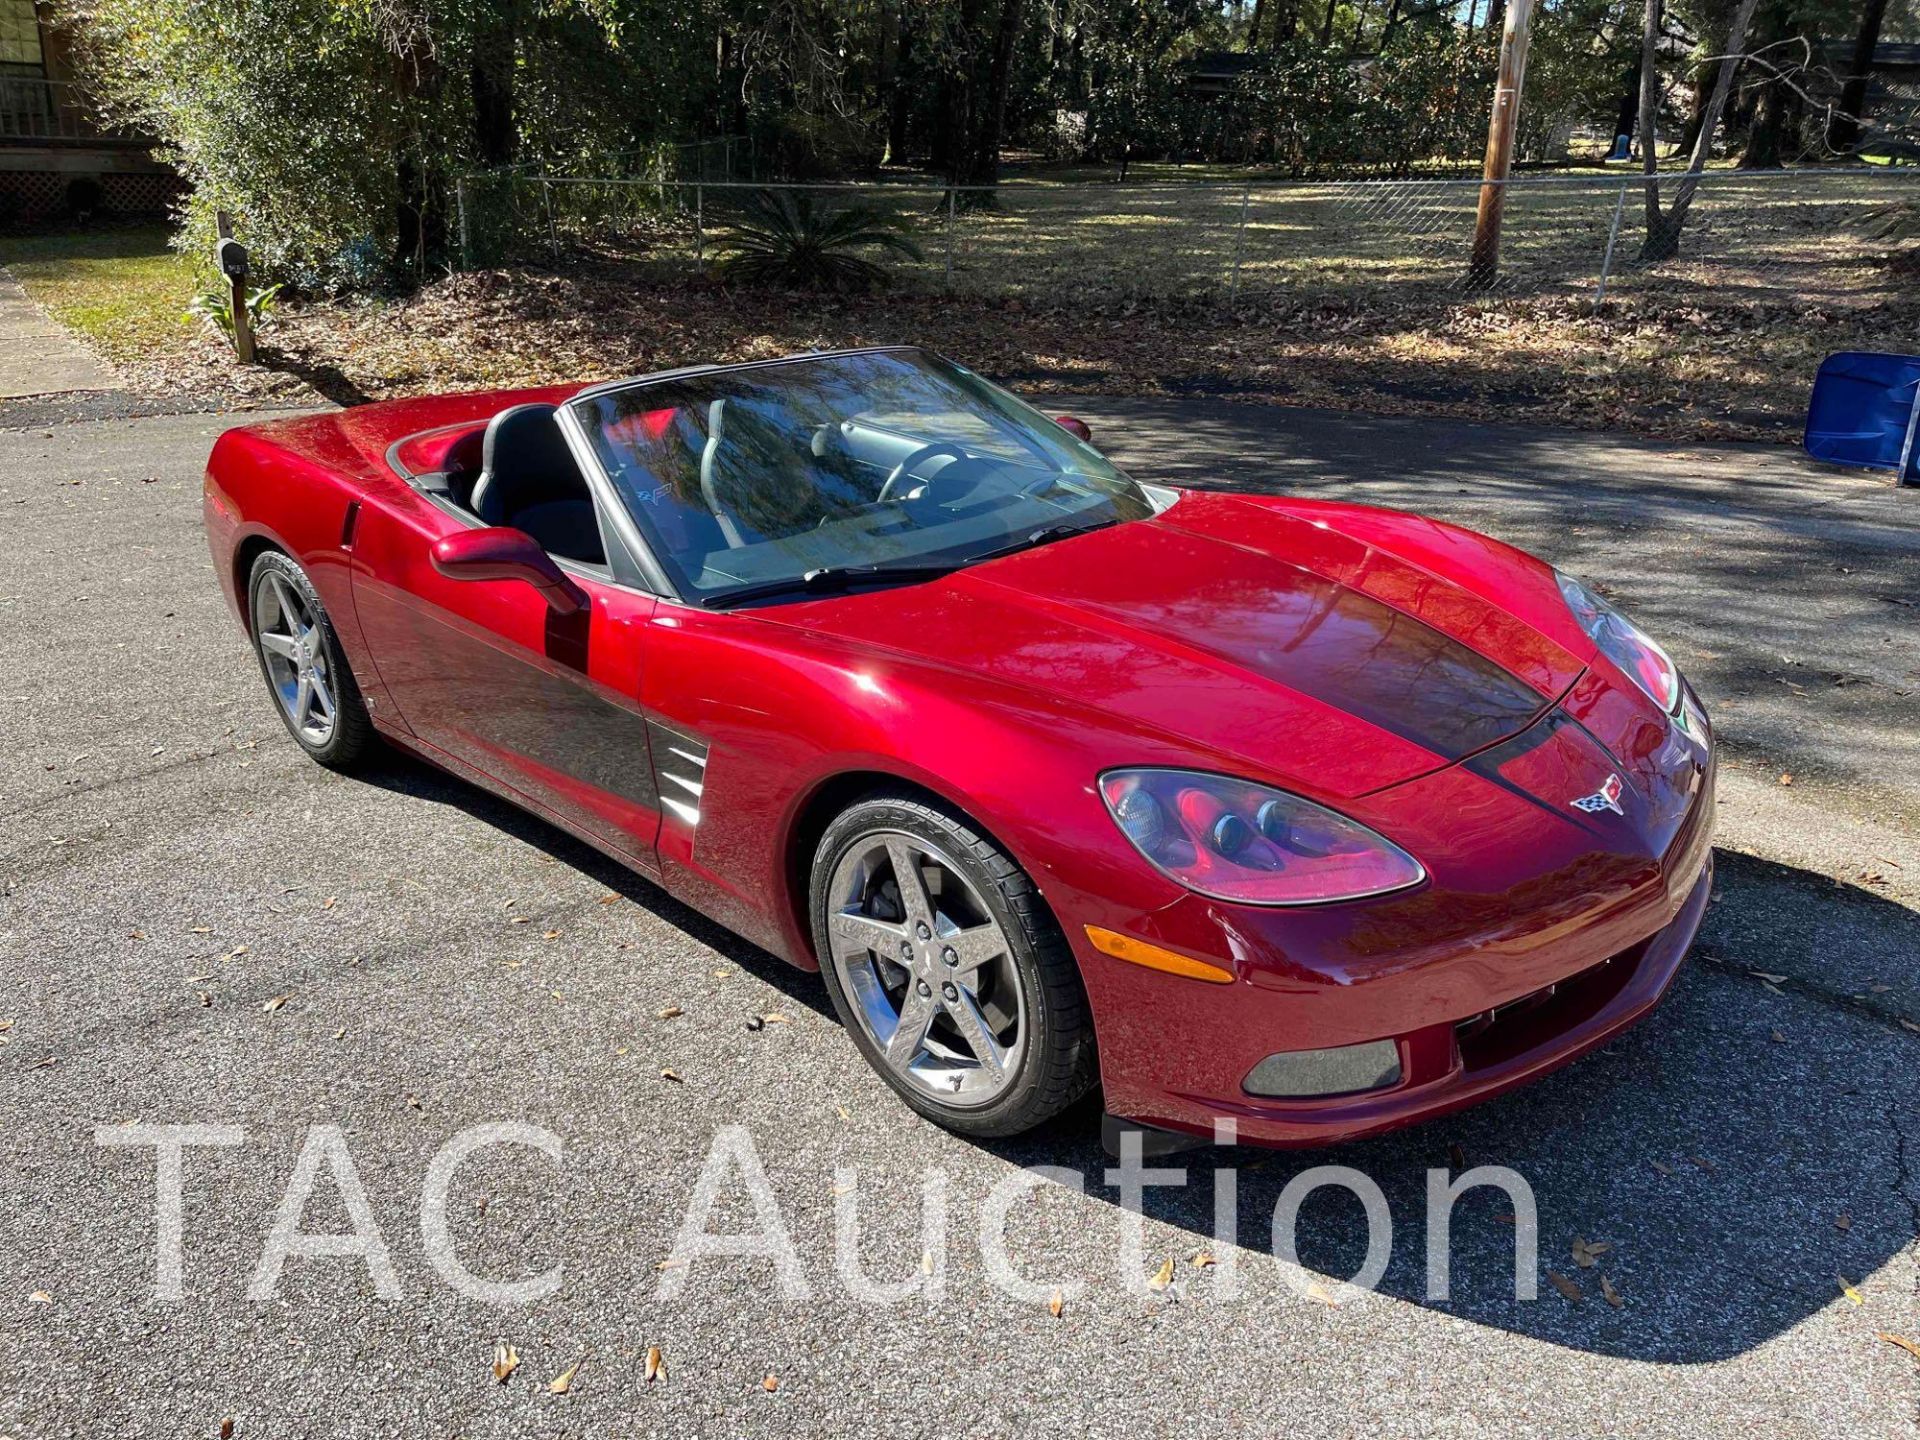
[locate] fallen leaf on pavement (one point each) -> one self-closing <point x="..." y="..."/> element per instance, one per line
<point x="40" y="1297"/>
<point x="1056" y="1303"/>
<point x="506" y="1360"/>
<point x="1664" y="1170"/>
<point x="671" y="1075"/>
<point x="1162" y="1277"/>
<point x="1609" y="1294"/>
<point x="1770" y="979"/>
<point x="776" y="1019"/>
<point x="1704" y="1163"/>
<point x="1202" y="1259"/>
<point x="1846" y="1289"/>
<point x="1565" y="1286"/>
<point x="926" y="1262"/>
<point x="656" y="1364"/>
<point x="1585" y="1255"/>
<point x="668" y="1264"/>
<point x="672" y="1012"/>
<point x="1843" y="1221"/>
<point x="275" y="1003"/>
<point x="563" y="1382"/>
<point x="1317" y="1291"/>
<point x="1456" y="1157"/>
<point x="1910" y="1346"/>
<point x="1778" y="1038"/>
<point x="226" y="1428"/>
<point x="770" y="1384"/>
<point x="1787" y="779"/>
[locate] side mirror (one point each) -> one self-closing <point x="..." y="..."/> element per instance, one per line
<point x="500" y="552"/>
<point x="1075" y="427"/>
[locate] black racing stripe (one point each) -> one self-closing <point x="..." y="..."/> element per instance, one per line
<point x="1399" y="673"/>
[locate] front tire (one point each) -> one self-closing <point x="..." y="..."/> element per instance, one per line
<point x="306" y="671"/>
<point x="947" y="968"/>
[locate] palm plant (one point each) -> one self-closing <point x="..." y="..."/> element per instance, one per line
<point x="787" y="239"/>
<point x="1898" y="222"/>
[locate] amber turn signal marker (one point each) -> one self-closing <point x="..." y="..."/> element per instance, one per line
<point x="1139" y="952"/>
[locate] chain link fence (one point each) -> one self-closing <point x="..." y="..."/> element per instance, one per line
<point x="1805" y="235"/>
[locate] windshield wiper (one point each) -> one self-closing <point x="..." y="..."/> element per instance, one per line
<point x="1045" y="535"/>
<point x="831" y="579"/>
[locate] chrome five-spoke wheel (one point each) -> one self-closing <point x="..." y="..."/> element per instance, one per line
<point x="296" y="660"/>
<point x="927" y="969"/>
<point x="947" y="967"/>
<point x="300" y="657"/>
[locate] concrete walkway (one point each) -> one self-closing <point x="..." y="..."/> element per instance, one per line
<point x="37" y="356"/>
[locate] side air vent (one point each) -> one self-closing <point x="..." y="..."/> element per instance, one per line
<point x="680" y="765"/>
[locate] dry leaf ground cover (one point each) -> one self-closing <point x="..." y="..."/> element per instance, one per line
<point x="1739" y="369"/>
<point x="1346" y="298"/>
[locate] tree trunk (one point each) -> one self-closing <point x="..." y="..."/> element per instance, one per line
<point x="900" y="101"/>
<point x="1767" y="139"/>
<point x="1657" y="239"/>
<point x="1288" y="23"/>
<point x="982" y="145"/>
<point x="1326" y="26"/>
<point x="1496" y="17"/>
<point x="1702" y="93"/>
<point x="419" y="219"/>
<point x="1663" y="231"/>
<point x="1626" y="119"/>
<point x="490" y="79"/>
<point x="1253" y="30"/>
<point x="1393" y="23"/>
<point x="1844" y="136"/>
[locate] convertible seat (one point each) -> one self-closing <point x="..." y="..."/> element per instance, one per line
<point x="529" y="480"/>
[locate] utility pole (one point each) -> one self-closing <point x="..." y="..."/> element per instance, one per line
<point x="1484" y="268"/>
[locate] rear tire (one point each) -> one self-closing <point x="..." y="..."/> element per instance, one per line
<point x="958" y="987"/>
<point x="306" y="672"/>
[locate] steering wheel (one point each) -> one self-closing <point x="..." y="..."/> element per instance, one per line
<point x="906" y="466"/>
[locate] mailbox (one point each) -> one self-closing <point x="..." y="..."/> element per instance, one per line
<point x="231" y="256"/>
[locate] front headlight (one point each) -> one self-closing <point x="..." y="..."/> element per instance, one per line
<point x="1235" y="840"/>
<point x="1624" y="643"/>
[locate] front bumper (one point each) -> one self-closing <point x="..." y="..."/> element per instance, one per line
<point x="1481" y="989"/>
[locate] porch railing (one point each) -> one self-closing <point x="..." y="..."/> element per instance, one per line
<point x="42" y="111"/>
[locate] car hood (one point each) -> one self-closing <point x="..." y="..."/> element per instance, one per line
<point x="1247" y="633"/>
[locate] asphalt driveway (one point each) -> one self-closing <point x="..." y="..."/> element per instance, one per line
<point x="199" y="927"/>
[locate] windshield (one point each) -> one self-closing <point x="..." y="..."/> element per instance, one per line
<point x="742" y="479"/>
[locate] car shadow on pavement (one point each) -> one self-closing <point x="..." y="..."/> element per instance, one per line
<point x="406" y="776"/>
<point x="1735" y="1154"/>
<point x="1728" y="1159"/>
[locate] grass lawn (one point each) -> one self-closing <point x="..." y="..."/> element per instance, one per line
<point x="120" y="287"/>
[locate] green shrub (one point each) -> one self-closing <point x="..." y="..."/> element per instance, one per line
<point x="789" y="239"/>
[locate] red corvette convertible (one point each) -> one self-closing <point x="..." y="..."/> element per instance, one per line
<point x="1315" y="817"/>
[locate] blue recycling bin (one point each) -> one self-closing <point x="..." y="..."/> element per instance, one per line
<point x="1865" y="411"/>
